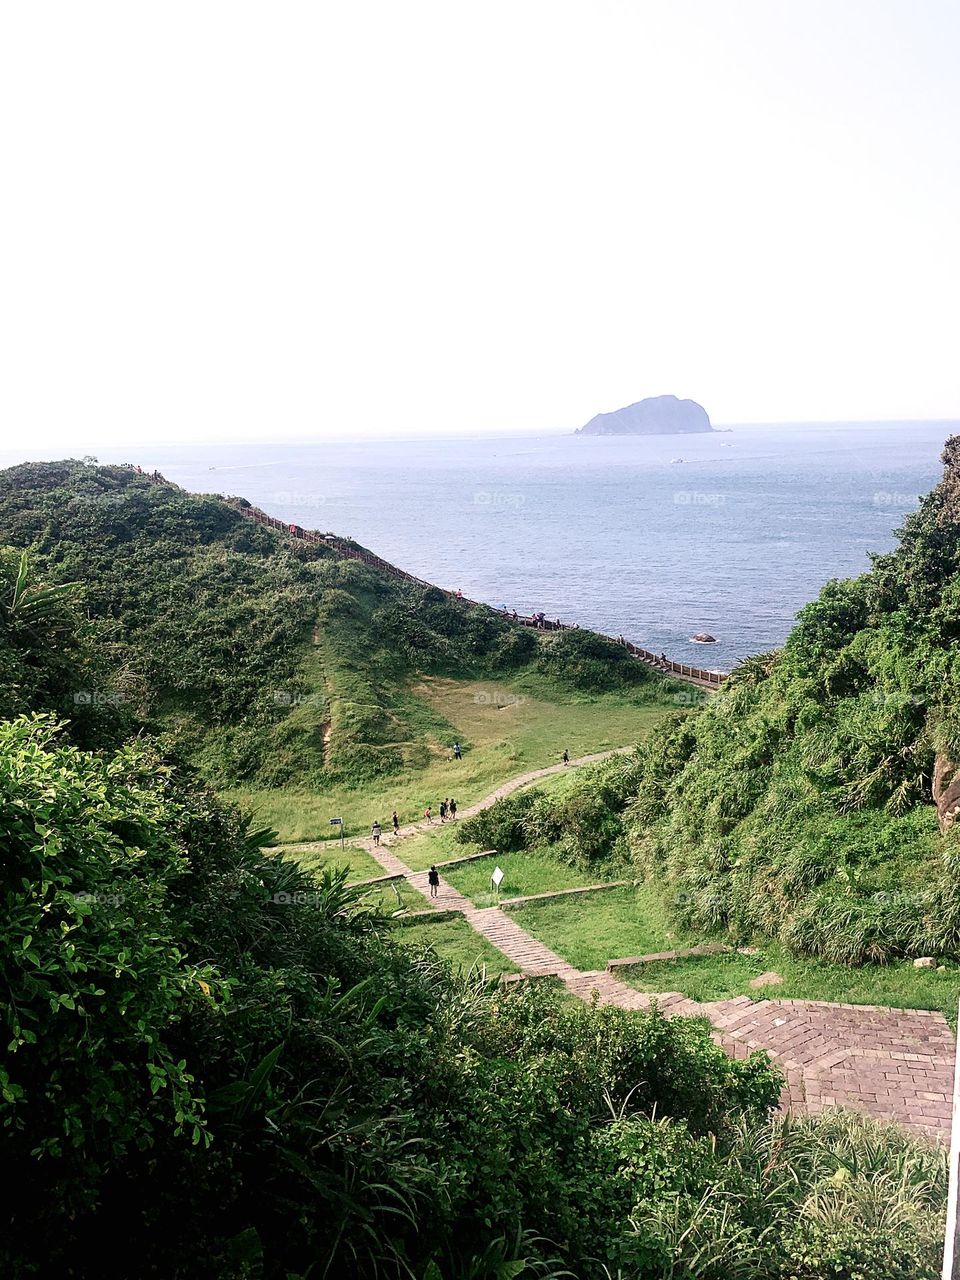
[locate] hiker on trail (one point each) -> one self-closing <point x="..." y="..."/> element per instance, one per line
<point x="516" y="616"/>
<point x="396" y="822"/>
<point x="459" y="594"/>
<point x="427" y="814"/>
<point x="375" y="831"/>
<point x="457" y="751"/>
<point x="452" y="809"/>
<point x="443" y="810"/>
<point x="433" y="879"/>
<point x="566" y="756"/>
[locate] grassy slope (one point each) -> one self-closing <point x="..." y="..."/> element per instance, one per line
<point x="455" y="941"/>
<point x="798" y="804"/>
<point x="723" y="976"/>
<point x="498" y="744"/>
<point x="441" y="843"/>
<point x="313" y="856"/>
<point x="304" y="683"/>
<point x="527" y="872"/>
<point x="436" y="845"/>
<point x="590" y="930"/>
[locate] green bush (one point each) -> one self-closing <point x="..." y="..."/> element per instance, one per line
<point x="798" y="802"/>
<point x="587" y="661"/>
<point x="502" y="825"/>
<point x="214" y="1073"/>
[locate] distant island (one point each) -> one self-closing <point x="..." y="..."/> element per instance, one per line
<point x="655" y="416"/>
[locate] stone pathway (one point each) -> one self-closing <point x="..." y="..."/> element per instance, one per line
<point x="893" y="1064"/>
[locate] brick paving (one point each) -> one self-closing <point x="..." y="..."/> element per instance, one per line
<point x="893" y="1064"/>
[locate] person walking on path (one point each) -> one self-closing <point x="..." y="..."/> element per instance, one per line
<point x="427" y="814"/>
<point x="396" y="823"/>
<point x="443" y="810"/>
<point x="457" y="751"/>
<point x="566" y="756"/>
<point x="452" y="809"/>
<point x="375" y="831"/>
<point x="433" y="879"/>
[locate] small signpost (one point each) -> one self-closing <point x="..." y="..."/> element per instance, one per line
<point x="338" y="822"/>
<point x="496" y="880"/>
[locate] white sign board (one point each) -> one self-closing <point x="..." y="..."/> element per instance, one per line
<point x="497" y="877"/>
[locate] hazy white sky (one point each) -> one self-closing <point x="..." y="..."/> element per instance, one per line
<point x="306" y="219"/>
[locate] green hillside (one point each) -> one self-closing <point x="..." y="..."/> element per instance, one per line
<point x="269" y="661"/>
<point x="219" y="1063"/>
<point x="812" y="799"/>
<point x="802" y="802"/>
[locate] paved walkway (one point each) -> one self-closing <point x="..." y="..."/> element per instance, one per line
<point x="893" y="1064"/>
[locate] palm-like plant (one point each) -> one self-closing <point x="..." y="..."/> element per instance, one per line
<point x="29" y="601"/>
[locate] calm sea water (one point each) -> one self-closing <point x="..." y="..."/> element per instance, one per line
<point x="653" y="538"/>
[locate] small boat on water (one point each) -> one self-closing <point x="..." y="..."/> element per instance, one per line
<point x="676" y="459"/>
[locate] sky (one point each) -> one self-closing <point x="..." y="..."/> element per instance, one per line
<point x="230" y="221"/>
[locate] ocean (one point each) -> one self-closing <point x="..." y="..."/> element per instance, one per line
<point x="654" y="538"/>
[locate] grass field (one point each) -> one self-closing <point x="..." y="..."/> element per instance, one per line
<point x="505" y="729"/>
<point x="590" y="930"/>
<point x="436" y="845"/>
<point x="455" y="941"/>
<point x="397" y="895"/>
<point x="528" y="872"/>
<point x="722" y="976"/>
<point x="314" y="856"/>
<point x="439" y="842"/>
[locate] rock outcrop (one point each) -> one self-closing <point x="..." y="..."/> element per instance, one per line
<point x="946" y="792"/>
<point x="948" y="490"/>
<point x="657" y="415"/>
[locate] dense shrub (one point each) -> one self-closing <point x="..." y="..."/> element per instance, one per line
<point x="798" y="803"/>
<point x="502" y="825"/>
<point x="588" y="661"/>
<point x="582" y="824"/>
<point x="200" y="1068"/>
